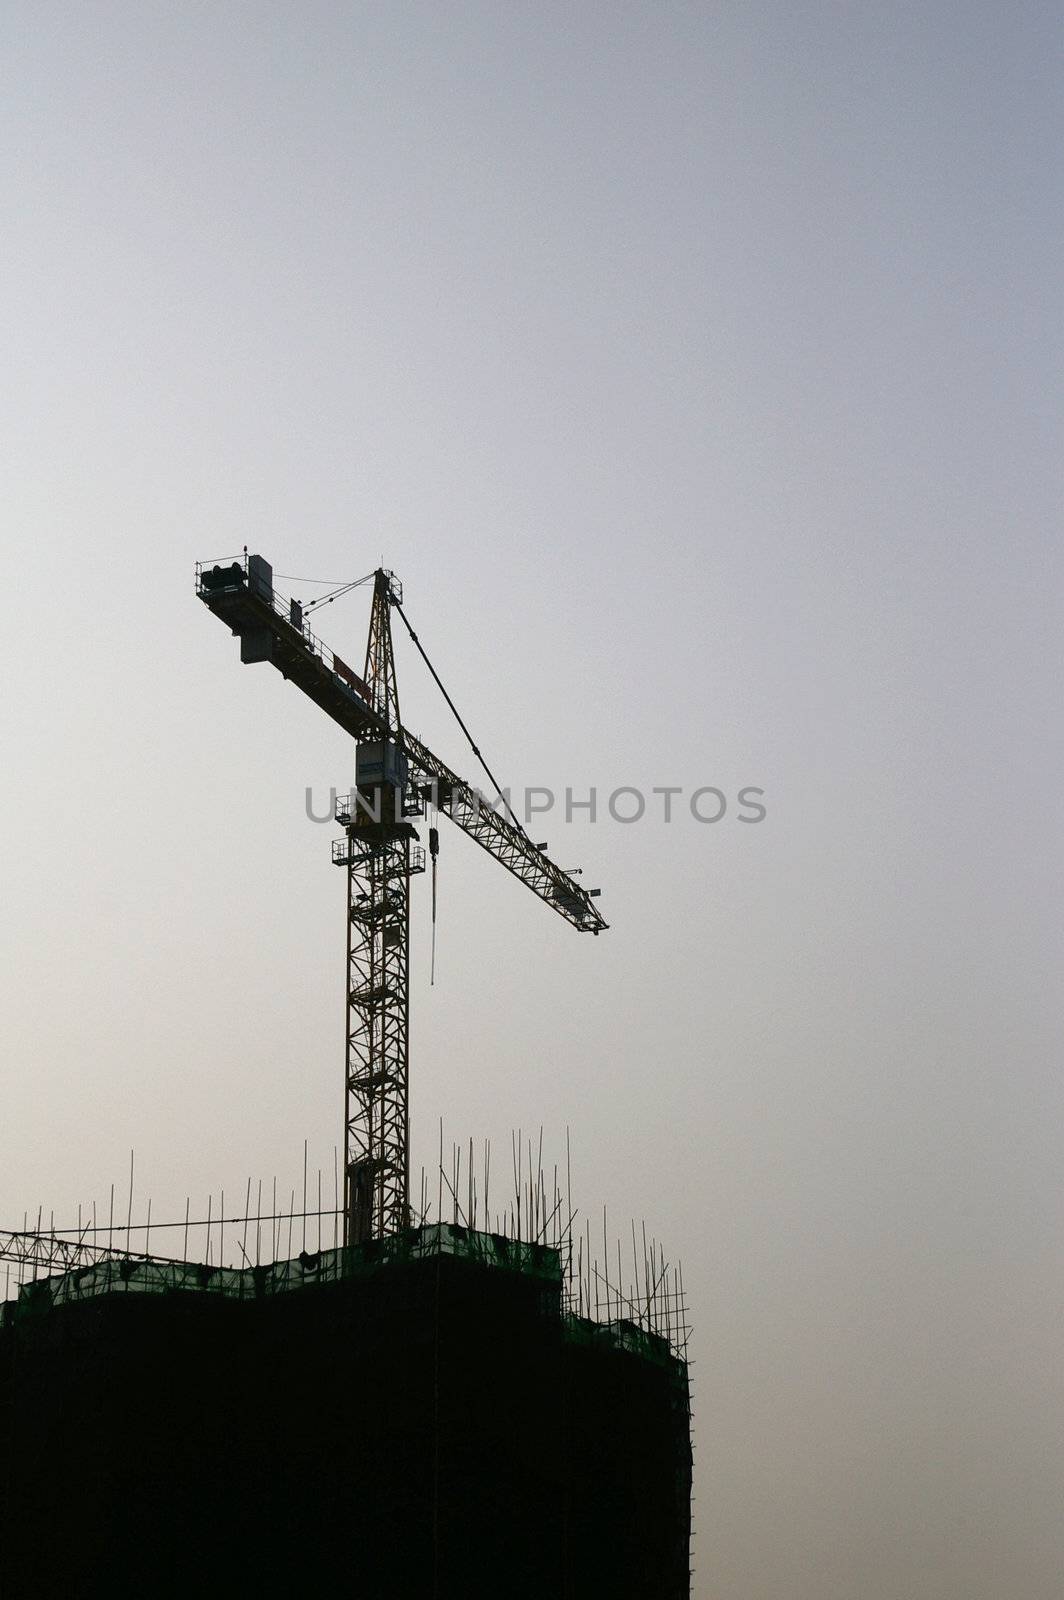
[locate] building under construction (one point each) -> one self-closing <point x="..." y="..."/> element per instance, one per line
<point x="415" y="1417"/>
<point x="428" y="1408"/>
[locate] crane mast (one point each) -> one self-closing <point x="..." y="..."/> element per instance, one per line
<point x="395" y="774"/>
<point x="380" y="858"/>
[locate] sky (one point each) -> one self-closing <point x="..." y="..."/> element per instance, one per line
<point x="696" y="368"/>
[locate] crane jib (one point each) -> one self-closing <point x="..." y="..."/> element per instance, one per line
<point x="241" y="594"/>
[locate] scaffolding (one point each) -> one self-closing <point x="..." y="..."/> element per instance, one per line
<point x="60" y="1272"/>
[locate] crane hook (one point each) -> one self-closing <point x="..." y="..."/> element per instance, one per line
<point x="434" y="850"/>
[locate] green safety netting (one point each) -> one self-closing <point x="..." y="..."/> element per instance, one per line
<point x="128" y="1275"/>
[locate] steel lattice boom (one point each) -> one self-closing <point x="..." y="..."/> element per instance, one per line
<point x="501" y="838"/>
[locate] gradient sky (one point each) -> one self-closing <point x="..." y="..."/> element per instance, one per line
<point x="697" y="368"/>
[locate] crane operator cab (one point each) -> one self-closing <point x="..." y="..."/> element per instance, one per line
<point x="382" y="783"/>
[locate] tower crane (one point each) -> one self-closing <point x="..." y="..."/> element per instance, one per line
<point x="396" y="776"/>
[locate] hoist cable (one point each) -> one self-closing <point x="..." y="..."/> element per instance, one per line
<point x="434" y="850"/>
<point x="472" y="744"/>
